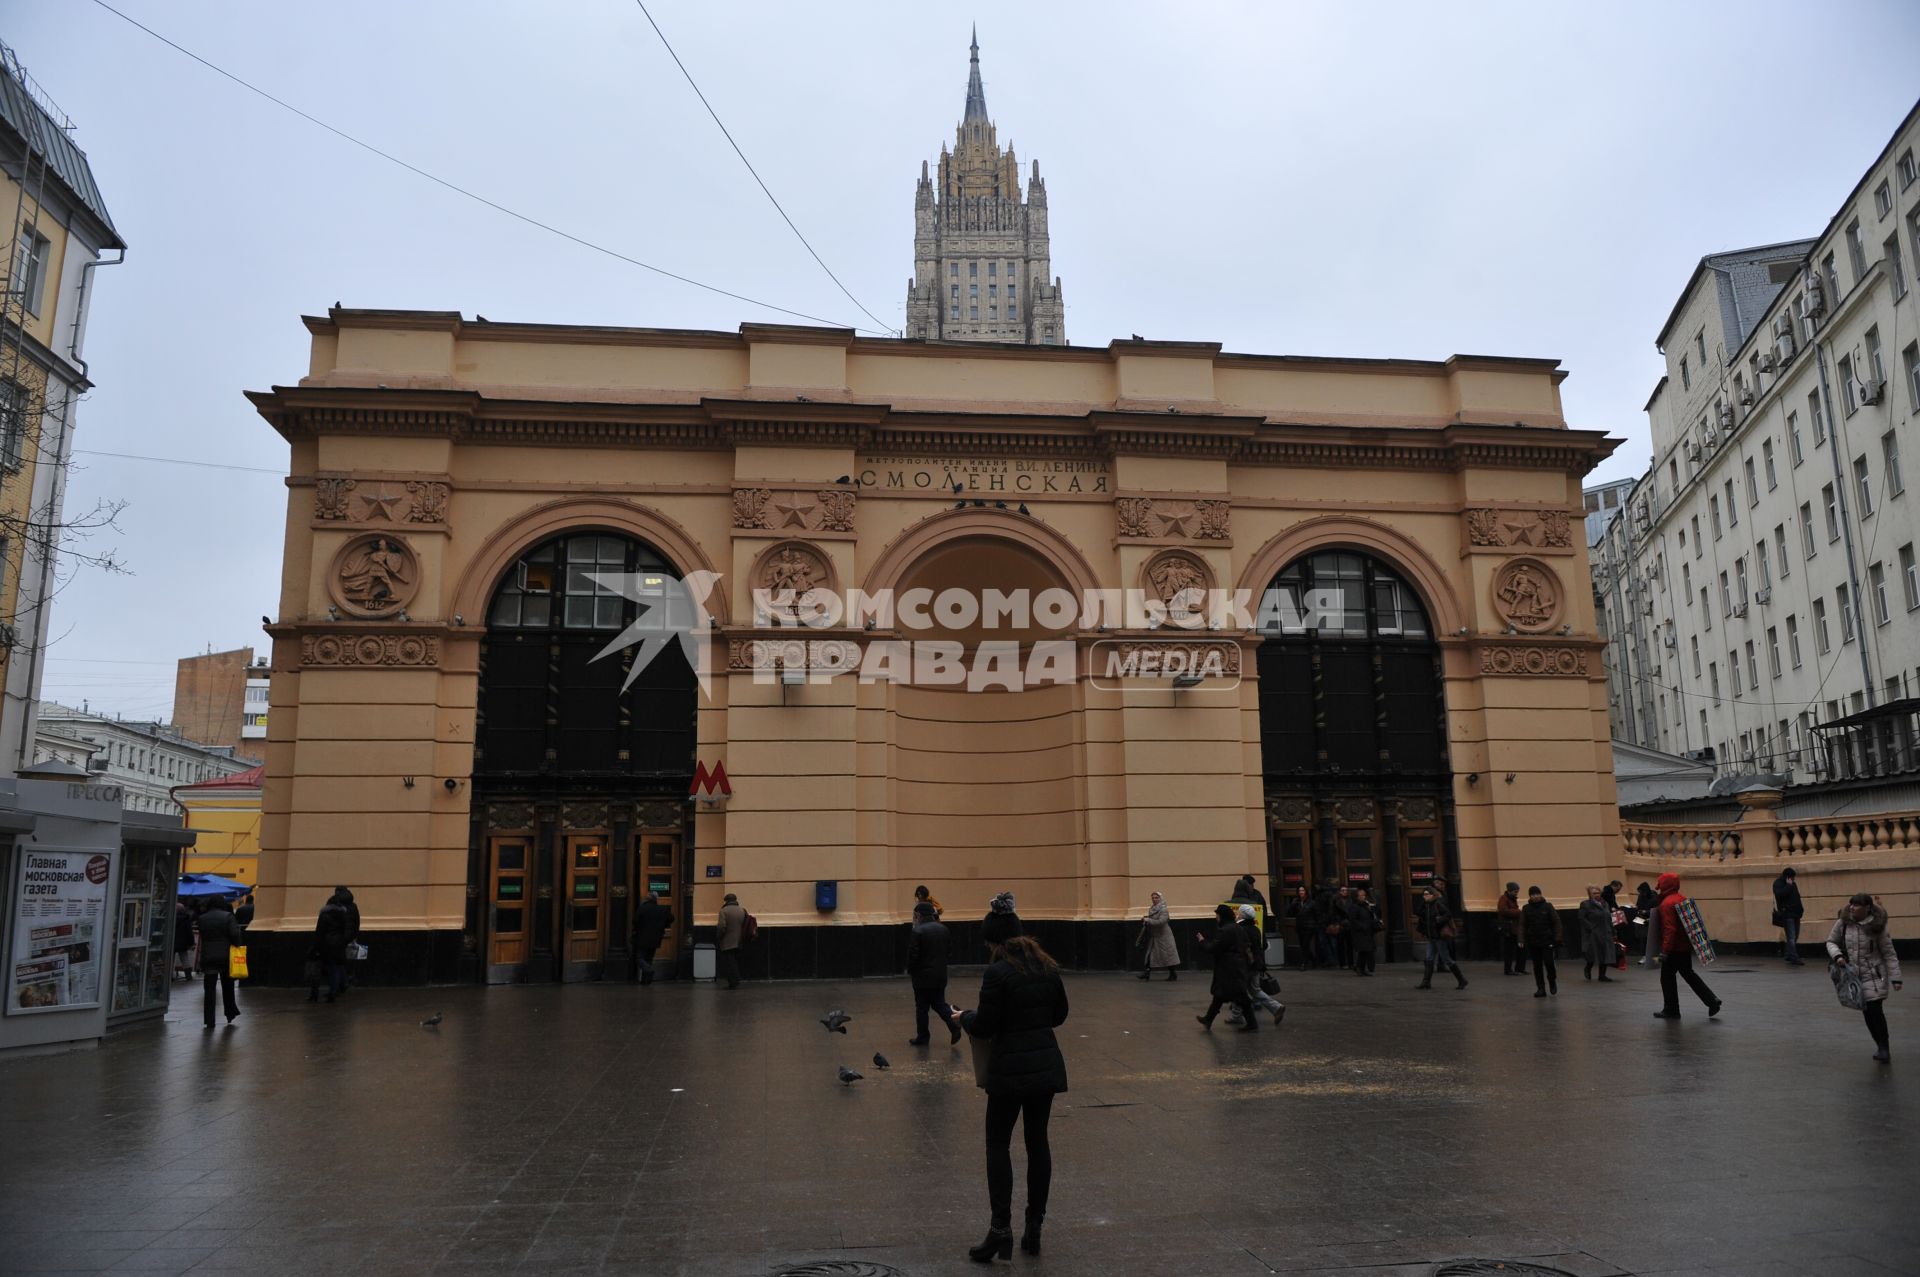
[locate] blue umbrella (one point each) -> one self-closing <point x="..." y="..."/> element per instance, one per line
<point x="211" y="885"/>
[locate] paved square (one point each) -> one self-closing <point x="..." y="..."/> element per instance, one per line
<point x="684" y="1129"/>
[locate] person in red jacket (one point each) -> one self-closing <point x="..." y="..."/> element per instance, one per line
<point x="1676" y="962"/>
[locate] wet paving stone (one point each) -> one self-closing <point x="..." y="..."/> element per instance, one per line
<point x="1381" y="1132"/>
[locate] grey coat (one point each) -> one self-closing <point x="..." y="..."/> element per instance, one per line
<point x="1161" y="949"/>
<point x="1869" y="951"/>
<point x="1596" y="932"/>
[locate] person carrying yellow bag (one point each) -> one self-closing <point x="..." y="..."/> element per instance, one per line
<point x="220" y="938"/>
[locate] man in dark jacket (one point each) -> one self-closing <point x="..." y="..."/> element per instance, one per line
<point x="1513" y="952"/>
<point x="244" y="914"/>
<point x="1540" y="929"/>
<point x="332" y="932"/>
<point x="1228" y="945"/>
<point x="1435" y="922"/>
<point x="650" y="922"/>
<point x="1245" y="890"/>
<point x="927" y="948"/>
<point x="1787" y="912"/>
<point x="219" y="932"/>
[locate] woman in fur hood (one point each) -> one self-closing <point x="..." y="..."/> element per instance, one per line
<point x="1860" y="940"/>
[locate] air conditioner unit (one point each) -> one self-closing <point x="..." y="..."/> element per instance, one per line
<point x="1815" y="302"/>
<point x="1871" y="391"/>
<point x="1766" y="362"/>
<point x="1740" y="608"/>
<point x="1641" y="518"/>
<point x="97" y="766"/>
<point x="1654" y="669"/>
<point x="1646" y="609"/>
<point x="1670" y="640"/>
<point x="1693" y="450"/>
<point x="1763" y="594"/>
<point x="1746" y="398"/>
<point x="1726" y="416"/>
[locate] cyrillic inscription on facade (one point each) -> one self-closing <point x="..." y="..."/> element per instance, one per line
<point x="1018" y="476"/>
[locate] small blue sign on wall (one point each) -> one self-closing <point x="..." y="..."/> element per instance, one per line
<point x="713" y="871"/>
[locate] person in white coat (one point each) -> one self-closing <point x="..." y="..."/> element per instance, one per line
<point x="1860" y="940"/>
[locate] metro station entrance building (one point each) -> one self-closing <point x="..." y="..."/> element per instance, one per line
<point x="537" y="575"/>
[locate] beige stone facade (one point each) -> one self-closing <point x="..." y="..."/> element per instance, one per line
<point x="434" y="458"/>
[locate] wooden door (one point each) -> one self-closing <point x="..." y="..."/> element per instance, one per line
<point x="583" y="911"/>
<point x="657" y="869"/>
<point x="510" y="920"/>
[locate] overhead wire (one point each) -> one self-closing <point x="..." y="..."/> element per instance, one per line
<point x="764" y="189"/>
<point x="495" y="205"/>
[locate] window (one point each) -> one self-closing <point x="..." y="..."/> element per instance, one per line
<point x="1753" y="668"/>
<point x="1700" y="347"/>
<point x="973" y="312"/>
<point x="993" y="312"/>
<point x="1832" y="273"/>
<point x="1686" y="579"/>
<point x="1766" y="577"/>
<point x="1046" y="334"/>
<point x="1694" y="643"/>
<point x="956" y="311"/>
<point x="1733" y="671"/>
<point x="953" y="270"/>
<point x="973" y="291"/>
<point x="1821" y="642"/>
<point x="993" y="291"/>
<point x="13" y="424"/>
<point x="1876" y="370"/>
<point x="1740" y="578"/>
<point x="1713" y="678"/>
<point x="1703" y="727"/>
<point x="1856" y="251"/>
<point x="1013" y="311"/>
<point x="1890" y="458"/>
<point x="1906" y="169"/>
<point x="1848" y="397"/>
<point x="993" y="270"/>
<point x="1753" y="484"/>
<point x="1773" y="652"/>
<point x="1013" y="290"/>
<point x="1793" y="438"/>
<point x="1706" y="612"/>
<point x="1845" y="604"/>
<point x="1832" y="505"/>
<point x="973" y="268"/>
<point x="1863" y="481"/>
<point x="1896" y="269"/>
<point x="1766" y="458"/>
<point x="953" y="293"/>
<point x="1696" y="536"/>
<point x="1883" y="199"/>
<point x="1806" y="531"/>
<point x="1793" y="640"/>
<point x="1780" y="546"/>
<point x="1673" y="463"/>
<point x="1909" y="579"/>
<point x="1819" y="422"/>
<point x="1911" y="358"/>
<point x="1877" y="582"/>
<point x="1726" y="596"/>
<point x="1686" y="377"/>
<point x="1713" y="509"/>
<point x="29" y="268"/>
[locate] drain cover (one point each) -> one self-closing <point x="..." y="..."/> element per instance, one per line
<point x="843" y="1268"/>
<point x="1503" y="1267"/>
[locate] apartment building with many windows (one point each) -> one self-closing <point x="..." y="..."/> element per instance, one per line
<point x="1761" y="581"/>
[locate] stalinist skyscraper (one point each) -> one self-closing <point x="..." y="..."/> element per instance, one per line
<point x="982" y="269"/>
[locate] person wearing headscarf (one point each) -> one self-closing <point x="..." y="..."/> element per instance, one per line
<point x="1249" y="924"/>
<point x="1228" y="945"/>
<point x="1159" y="947"/>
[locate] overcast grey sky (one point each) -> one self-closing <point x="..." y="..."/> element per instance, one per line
<point x="1408" y="180"/>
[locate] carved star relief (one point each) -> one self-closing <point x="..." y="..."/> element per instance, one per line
<point x="793" y="509"/>
<point x="1523" y="530"/>
<point x="1175" y="520"/>
<point x="385" y="507"/>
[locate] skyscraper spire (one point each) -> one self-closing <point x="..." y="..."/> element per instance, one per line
<point x="976" y="95"/>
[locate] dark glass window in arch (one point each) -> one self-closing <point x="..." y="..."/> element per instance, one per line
<point x="1349" y="677"/>
<point x="550" y="703"/>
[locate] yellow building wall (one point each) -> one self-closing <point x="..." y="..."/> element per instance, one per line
<point x="228" y="841"/>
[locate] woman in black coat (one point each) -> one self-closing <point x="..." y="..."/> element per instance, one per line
<point x="1022" y="1001"/>
<point x="1540" y="928"/>
<point x="1232" y="965"/>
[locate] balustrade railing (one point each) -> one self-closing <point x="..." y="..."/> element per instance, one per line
<point x="1699" y="842"/>
<point x="1827" y="835"/>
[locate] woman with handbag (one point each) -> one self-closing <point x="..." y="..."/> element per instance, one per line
<point x="1860" y="946"/>
<point x="1022" y="1001"/>
<point x="1435" y="922"/>
<point x="1157" y="945"/>
<point x="219" y="933"/>
<point x="1231" y="967"/>
<point x="1261" y="986"/>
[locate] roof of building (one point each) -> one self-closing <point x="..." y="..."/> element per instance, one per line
<point x="248" y="779"/>
<point x="30" y="116"/>
<point x="976" y="95"/>
<point x="1786" y="250"/>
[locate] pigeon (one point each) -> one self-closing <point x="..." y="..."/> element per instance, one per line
<point x="845" y="478"/>
<point x="266" y="620"/>
<point x="433" y="1021"/>
<point x="836" y="1021"/>
<point x="847" y="1076"/>
<point x="879" y="1061"/>
<point x="1023" y="508"/>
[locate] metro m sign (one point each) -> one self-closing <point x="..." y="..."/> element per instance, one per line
<point x="710" y="786"/>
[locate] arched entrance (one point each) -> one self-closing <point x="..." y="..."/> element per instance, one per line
<point x="1353" y="736"/>
<point x="987" y="786"/>
<point x="579" y="779"/>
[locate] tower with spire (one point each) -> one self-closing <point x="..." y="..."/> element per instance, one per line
<point x="982" y="263"/>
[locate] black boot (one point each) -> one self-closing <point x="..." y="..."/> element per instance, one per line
<point x="1460" y="976"/>
<point x="1172" y="974"/>
<point x="1587" y="970"/>
<point x="1426" y="981"/>
<point x="1206" y="1022"/>
<point x="999" y="1241"/>
<point x="1147" y="974"/>
<point x="1030" y="1238"/>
